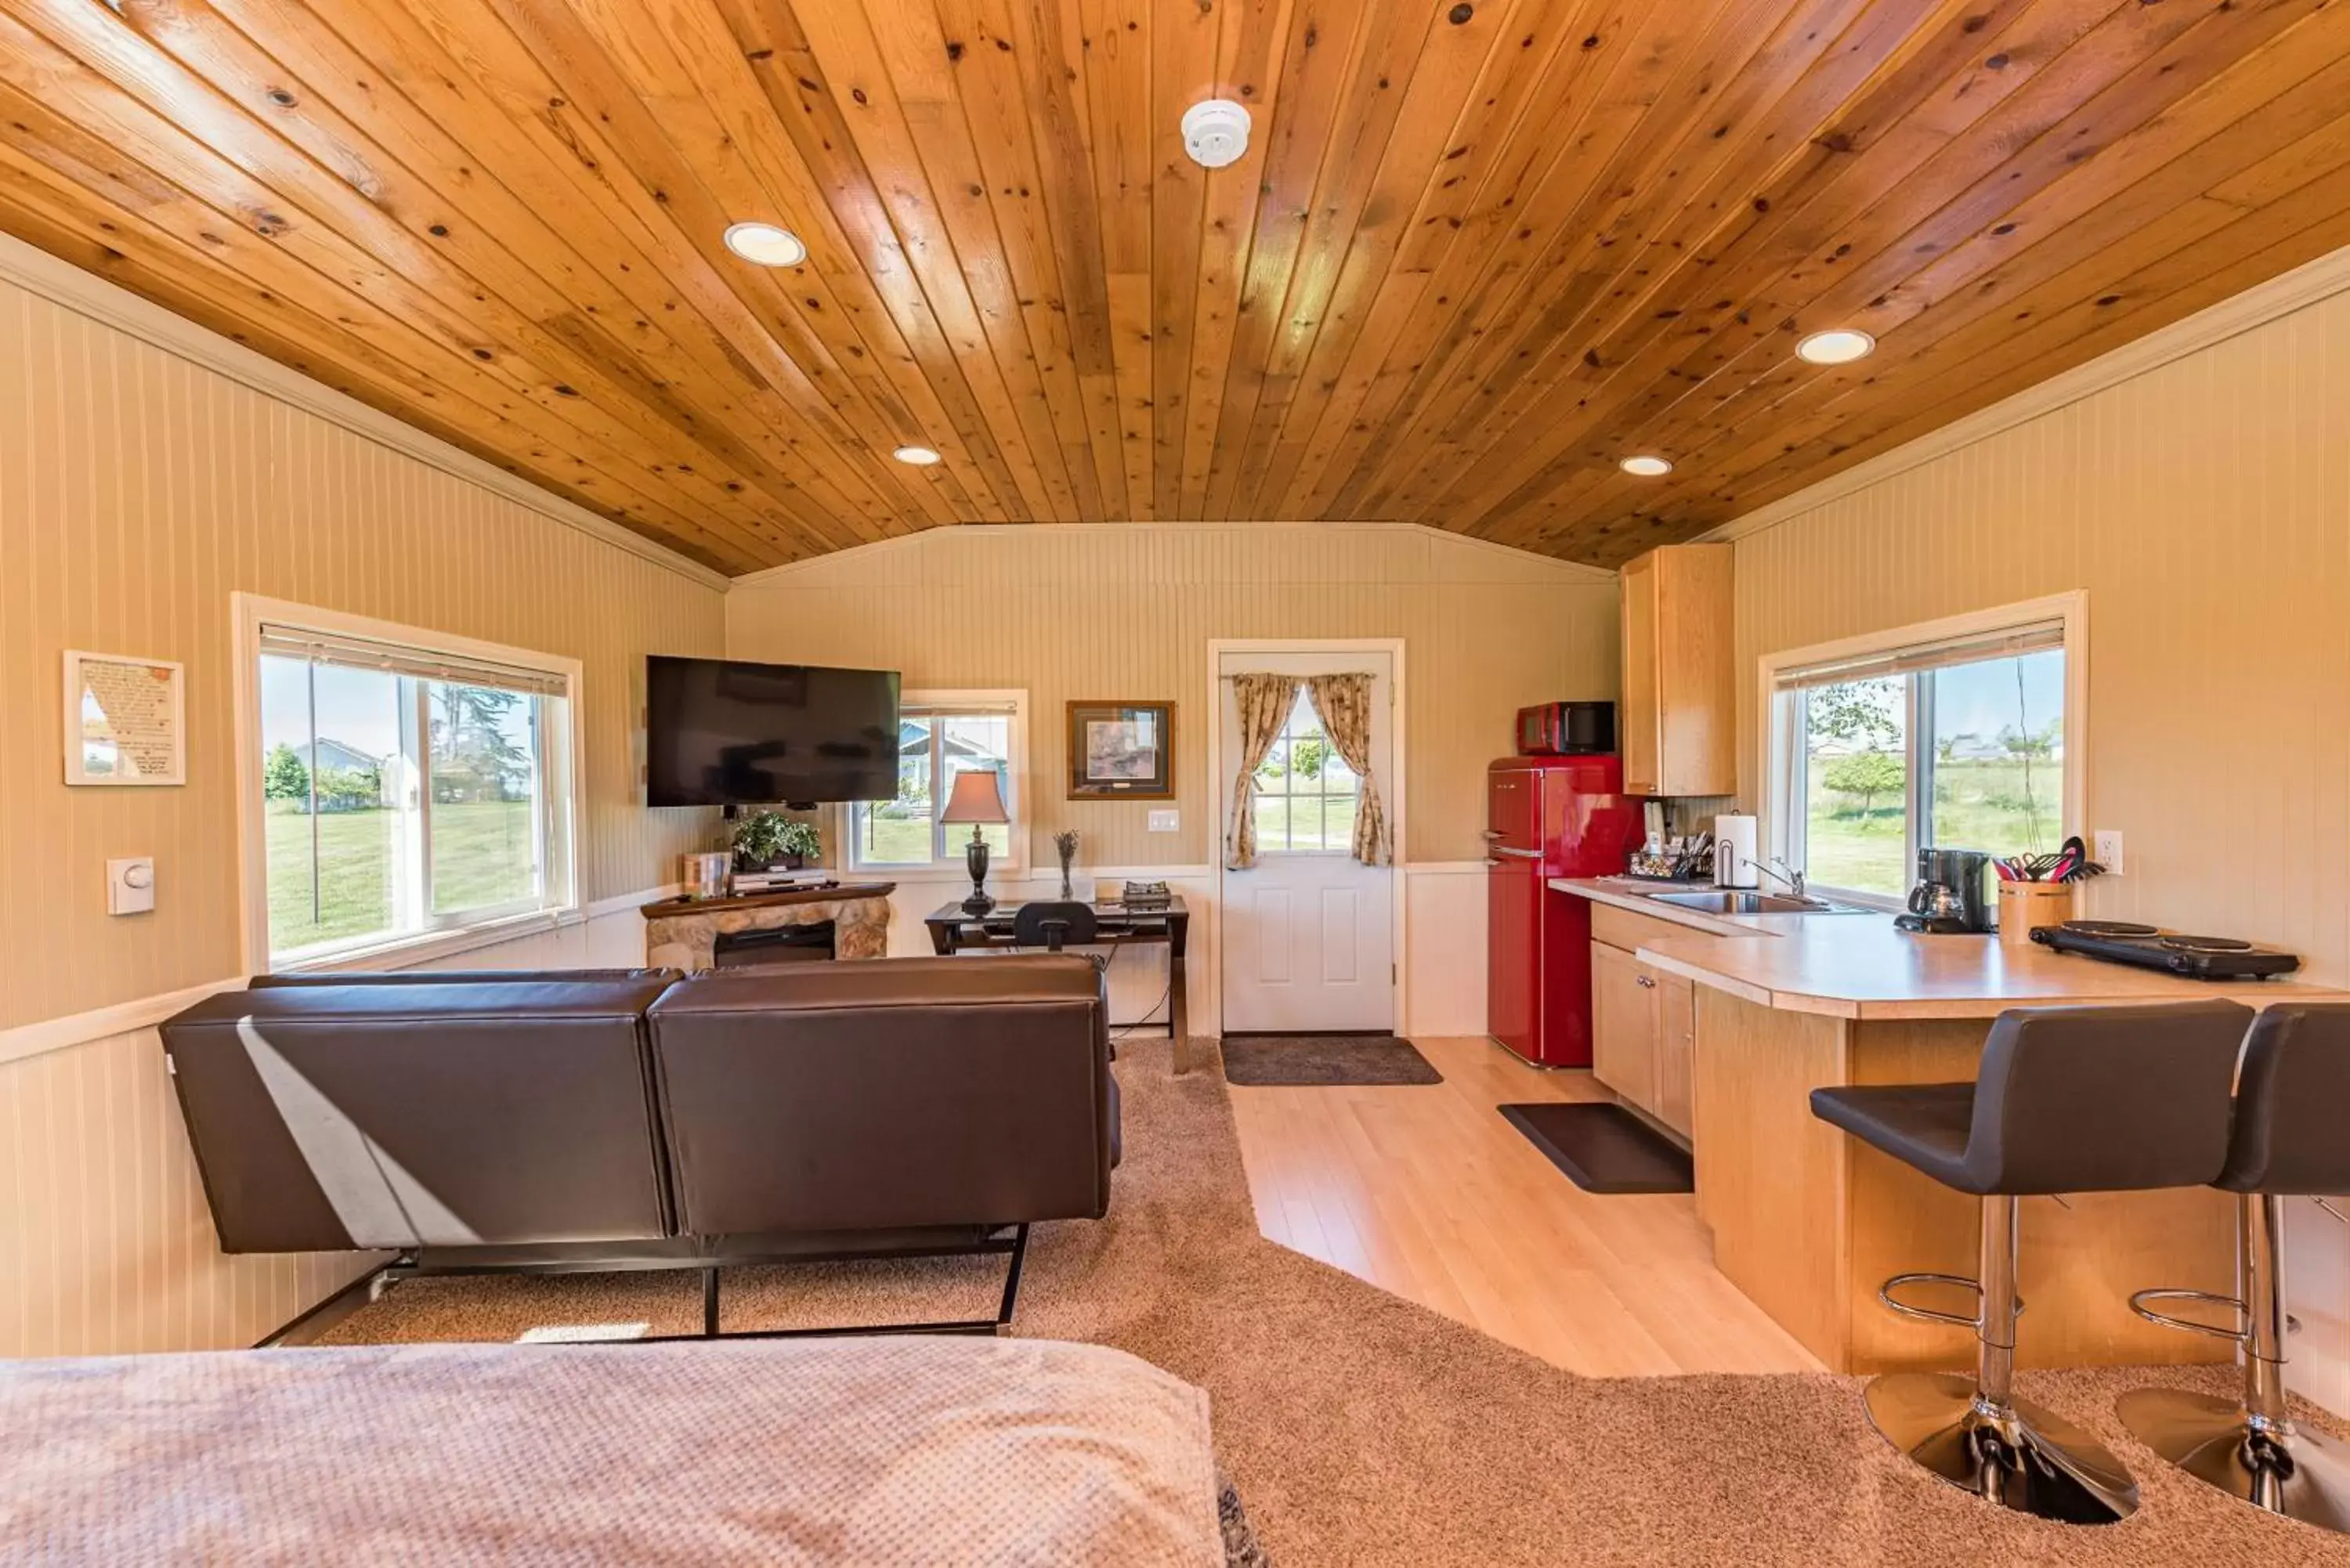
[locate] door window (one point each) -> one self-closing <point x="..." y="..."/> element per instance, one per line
<point x="1306" y="793"/>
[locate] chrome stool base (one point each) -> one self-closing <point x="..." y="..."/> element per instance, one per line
<point x="2291" y="1471"/>
<point x="2019" y="1456"/>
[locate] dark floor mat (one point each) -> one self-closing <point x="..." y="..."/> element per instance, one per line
<point x="1604" y="1148"/>
<point x="1326" y="1061"/>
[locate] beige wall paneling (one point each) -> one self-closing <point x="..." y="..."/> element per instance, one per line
<point x="2204" y="506"/>
<point x="1127" y="610"/>
<point x="147" y="471"/>
<point x="2203" y="503"/>
<point x="139" y="489"/>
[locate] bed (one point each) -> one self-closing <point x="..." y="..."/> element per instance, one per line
<point x="896" y="1449"/>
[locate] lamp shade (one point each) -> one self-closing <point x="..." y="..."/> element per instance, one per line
<point x="976" y="798"/>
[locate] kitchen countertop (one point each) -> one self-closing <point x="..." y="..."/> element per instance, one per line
<point x="1639" y="896"/>
<point x="1859" y="966"/>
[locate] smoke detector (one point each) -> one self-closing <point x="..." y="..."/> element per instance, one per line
<point x="1216" y="133"/>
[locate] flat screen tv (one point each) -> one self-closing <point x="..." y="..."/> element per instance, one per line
<point x="725" y="731"/>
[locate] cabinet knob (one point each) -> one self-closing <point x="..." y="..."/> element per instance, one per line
<point x="1647" y="981"/>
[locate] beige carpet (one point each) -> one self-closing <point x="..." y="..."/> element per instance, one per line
<point x="1363" y="1429"/>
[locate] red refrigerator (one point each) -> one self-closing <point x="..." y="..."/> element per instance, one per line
<point x="1544" y="817"/>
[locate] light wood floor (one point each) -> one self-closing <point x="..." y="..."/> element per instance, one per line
<point x="1430" y="1193"/>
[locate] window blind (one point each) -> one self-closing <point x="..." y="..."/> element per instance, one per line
<point x="417" y="663"/>
<point x="958" y="710"/>
<point x="2039" y="636"/>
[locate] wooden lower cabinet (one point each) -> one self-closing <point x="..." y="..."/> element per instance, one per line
<point x="1808" y="1222"/>
<point x="1623" y="1024"/>
<point x="1675" y="1052"/>
<point x="1642" y="1027"/>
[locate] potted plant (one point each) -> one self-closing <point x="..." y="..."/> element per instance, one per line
<point x="768" y="838"/>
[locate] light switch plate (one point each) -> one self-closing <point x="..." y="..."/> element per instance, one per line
<point x="1165" y="822"/>
<point x="2108" y="851"/>
<point x="131" y="885"/>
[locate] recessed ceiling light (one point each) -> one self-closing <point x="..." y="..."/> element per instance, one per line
<point x="1216" y="133"/>
<point x="1645" y="466"/>
<point x="919" y="456"/>
<point x="1838" y="345"/>
<point x="765" y="245"/>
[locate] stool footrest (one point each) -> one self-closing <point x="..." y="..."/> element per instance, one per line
<point x="1957" y="1281"/>
<point x="2139" y="1299"/>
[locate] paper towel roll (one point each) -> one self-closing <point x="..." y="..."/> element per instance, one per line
<point x="1735" y="839"/>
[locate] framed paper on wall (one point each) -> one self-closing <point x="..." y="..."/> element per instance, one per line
<point x="1121" y="751"/>
<point x="126" y="719"/>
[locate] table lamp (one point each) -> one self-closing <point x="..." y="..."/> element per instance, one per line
<point x="977" y="799"/>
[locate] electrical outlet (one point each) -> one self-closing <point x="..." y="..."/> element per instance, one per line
<point x="2108" y="852"/>
<point x="1165" y="822"/>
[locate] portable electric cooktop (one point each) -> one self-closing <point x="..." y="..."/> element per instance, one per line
<point x="2151" y="946"/>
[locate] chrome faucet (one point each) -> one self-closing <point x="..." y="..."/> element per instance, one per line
<point x="1787" y="877"/>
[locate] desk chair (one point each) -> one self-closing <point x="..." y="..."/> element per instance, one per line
<point x="1053" y="924"/>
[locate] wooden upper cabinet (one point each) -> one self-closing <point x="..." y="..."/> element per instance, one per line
<point x="1678" y="721"/>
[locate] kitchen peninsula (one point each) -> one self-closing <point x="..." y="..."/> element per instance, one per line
<point x="1808" y="1222"/>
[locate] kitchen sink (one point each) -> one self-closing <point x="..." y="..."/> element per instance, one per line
<point x="1732" y="902"/>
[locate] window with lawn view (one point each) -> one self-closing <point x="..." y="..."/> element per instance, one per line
<point x="1306" y="792"/>
<point x="938" y="739"/>
<point x="1958" y="744"/>
<point x="404" y="792"/>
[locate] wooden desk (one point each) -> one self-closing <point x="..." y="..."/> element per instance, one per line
<point x="953" y="930"/>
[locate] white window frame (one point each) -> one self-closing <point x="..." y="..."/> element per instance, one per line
<point x="563" y="758"/>
<point x="1780" y="736"/>
<point x="948" y="865"/>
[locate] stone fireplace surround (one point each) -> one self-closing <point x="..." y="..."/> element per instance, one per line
<point x="682" y="933"/>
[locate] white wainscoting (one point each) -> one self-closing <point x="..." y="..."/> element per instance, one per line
<point x="1138" y="975"/>
<point x="1444" y="946"/>
<point x="106" y="1244"/>
<point x="1444" y="925"/>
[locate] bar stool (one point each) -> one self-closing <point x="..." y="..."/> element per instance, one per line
<point x="2292" y="1102"/>
<point x="2068" y="1099"/>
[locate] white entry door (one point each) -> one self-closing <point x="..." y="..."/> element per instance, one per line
<point x="1308" y="932"/>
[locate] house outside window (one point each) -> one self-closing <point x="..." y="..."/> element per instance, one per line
<point x="940" y="735"/>
<point x="402" y="787"/>
<point x="1957" y="735"/>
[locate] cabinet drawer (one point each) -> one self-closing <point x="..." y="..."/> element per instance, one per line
<point x="1630" y="931"/>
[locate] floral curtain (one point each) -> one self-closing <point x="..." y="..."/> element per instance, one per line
<point x="1263" y="701"/>
<point x="1344" y="703"/>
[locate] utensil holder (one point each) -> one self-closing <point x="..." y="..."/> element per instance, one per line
<point x="2025" y="907"/>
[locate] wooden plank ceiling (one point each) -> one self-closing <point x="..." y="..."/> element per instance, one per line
<point x="1475" y="254"/>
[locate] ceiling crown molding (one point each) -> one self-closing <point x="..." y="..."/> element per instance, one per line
<point x="86" y="294"/>
<point x="2303" y="287"/>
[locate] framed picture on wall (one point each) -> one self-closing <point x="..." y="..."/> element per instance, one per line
<point x="126" y="719"/>
<point x="1121" y="751"/>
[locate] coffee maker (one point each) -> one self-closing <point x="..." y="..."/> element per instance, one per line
<point x="1952" y="894"/>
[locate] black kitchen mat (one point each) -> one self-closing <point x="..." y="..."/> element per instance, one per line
<point x="1325" y="1060"/>
<point x="1604" y="1148"/>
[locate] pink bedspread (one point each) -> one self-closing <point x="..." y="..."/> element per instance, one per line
<point x="891" y="1450"/>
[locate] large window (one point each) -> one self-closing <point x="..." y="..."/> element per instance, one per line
<point x="1951" y="736"/>
<point x="940" y="735"/>
<point x="1306" y="793"/>
<point x="403" y="791"/>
